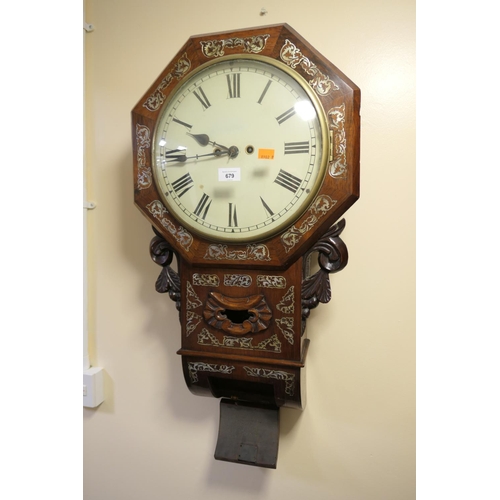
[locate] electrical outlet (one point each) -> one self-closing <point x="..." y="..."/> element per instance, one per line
<point x="93" y="387"/>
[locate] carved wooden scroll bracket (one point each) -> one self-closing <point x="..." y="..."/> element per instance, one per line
<point x="168" y="280"/>
<point x="332" y="258"/>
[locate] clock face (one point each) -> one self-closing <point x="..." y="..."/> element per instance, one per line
<point x="240" y="149"/>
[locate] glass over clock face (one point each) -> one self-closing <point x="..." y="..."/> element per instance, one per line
<point x="240" y="149"/>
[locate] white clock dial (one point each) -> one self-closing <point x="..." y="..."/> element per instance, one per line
<point x="240" y="149"/>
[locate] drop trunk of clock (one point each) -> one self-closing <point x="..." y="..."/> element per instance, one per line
<point x="240" y="345"/>
<point x="244" y="340"/>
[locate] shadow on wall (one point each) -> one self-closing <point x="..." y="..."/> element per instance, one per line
<point x="162" y="323"/>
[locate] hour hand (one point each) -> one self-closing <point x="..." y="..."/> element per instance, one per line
<point x="204" y="140"/>
<point x="201" y="139"/>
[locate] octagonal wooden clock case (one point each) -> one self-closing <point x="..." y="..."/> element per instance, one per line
<point x="246" y="154"/>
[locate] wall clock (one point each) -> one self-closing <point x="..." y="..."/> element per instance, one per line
<point x="246" y="155"/>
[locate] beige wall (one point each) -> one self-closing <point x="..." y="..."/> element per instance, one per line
<point x="151" y="438"/>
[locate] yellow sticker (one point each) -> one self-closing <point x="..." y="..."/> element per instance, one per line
<point x="266" y="154"/>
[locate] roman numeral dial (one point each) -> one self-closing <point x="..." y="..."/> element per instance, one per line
<point x="201" y="209"/>
<point x="200" y="95"/>
<point x="286" y="115"/>
<point x="292" y="148"/>
<point x="233" y="85"/>
<point x="264" y="92"/>
<point x="268" y="211"/>
<point x="288" y="181"/>
<point x="239" y="149"/>
<point x="183" y="184"/>
<point x="233" y="218"/>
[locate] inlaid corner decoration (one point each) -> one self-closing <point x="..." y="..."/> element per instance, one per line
<point x="205" y="279"/>
<point x="292" y="56"/>
<point x="286" y="327"/>
<point x="144" y="173"/>
<point x="250" y="44"/>
<point x="252" y="252"/>
<point x="157" y="209"/>
<point x="270" y="344"/>
<point x="286" y="304"/>
<point x="192" y="321"/>
<point x="289" y="378"/>
<point x="192" y="302"/>
<point x="338" y="168"/>
<point x="319" y="208"/>
<point x="155" y="100"/>
<point x="196" y="367"/>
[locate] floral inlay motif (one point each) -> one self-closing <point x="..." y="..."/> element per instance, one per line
<point x="270" y="344"/>
<point x="144" y="173"/>
<point x="251" y="44"/>
<point x="251" y="252"/>
<point x="205" y="279"/>
<point x="156" y="99"/>
<point x="266" y="281"/>
<point x="286" y="304"/>
<point x="319" y="208"/>
<point x="240" y="280"/>
<point x="338" y="168"/>
<point x="320" y="82"/>
<point x="286" y="326"/>
<point x="289" y="378"/>
<point x="157" y="209"/>
<point x="196" y="367"/>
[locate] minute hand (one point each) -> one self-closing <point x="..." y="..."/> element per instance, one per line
<point x="183" y="158"/>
